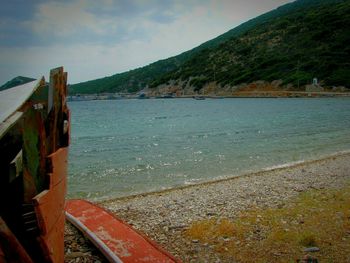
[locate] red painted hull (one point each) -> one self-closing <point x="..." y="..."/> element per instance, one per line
<point x="118" y="241"/>
<point x="34" y="140"/>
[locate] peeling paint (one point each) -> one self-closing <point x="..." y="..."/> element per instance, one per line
<point x="106" y="230"/>
<point x="120" y="247"/>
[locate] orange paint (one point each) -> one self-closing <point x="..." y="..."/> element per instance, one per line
<point x="34" y="140"/>
<point x="119" y="238"/>
<point x="49" y="207"/>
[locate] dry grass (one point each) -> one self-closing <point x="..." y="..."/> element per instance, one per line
<point x="318" y="218"/>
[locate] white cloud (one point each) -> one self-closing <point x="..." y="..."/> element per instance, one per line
<point x="68" y="18"/>
<point x="126" y="38"/>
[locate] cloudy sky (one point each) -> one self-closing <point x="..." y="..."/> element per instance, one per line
<point x="97" y="38"/>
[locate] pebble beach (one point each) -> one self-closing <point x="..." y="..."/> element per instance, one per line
<point x="165" y="215"/>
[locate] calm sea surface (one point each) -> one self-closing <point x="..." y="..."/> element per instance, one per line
<point x="123" y="147"/>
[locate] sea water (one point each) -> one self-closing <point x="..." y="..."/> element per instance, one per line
<point x="124" y="147"/>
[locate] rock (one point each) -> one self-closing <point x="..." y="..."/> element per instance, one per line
<point x="227" y="199"/>
<point x="307" y="259"/>
<point x="75" y="255"/>
<point x="177" y="227"/>
<point x="311" y="249"/>
<point x="212" y="214"/>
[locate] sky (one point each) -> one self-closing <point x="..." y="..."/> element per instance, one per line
<point x="98" y="38"/>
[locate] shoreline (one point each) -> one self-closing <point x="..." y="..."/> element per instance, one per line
<point x="242" y="95"/>
<point x="165" y="215"/>
<point x="105" y="201"/>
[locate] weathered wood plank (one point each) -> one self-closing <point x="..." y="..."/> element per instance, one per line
<point x="9" y="122"/>
<point x="12" y="99"/>
<point x="8" y="243"/>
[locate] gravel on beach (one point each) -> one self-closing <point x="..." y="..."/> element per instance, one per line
<point x="163" y="216"/>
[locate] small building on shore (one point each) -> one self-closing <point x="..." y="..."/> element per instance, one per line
<point x="314" y="88"/>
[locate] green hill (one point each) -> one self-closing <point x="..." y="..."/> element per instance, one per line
<point x="15" y="82"/>
<point x="293" y="43"/>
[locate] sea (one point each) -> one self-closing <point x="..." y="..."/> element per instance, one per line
<point x="125" y="147"/>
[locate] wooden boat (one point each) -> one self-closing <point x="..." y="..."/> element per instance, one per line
<point x="199" y="97"/>
<point x="34" y="139"/>
<point x="118" y="241"/>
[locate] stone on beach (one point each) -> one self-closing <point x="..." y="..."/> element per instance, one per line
<point x="164" y="216"/>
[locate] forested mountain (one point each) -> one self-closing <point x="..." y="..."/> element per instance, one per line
<point x="293" y="43"/>
<point x="16" y="82"/>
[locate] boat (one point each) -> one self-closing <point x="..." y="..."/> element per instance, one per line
<point x="117" y="240"/>
<point x="199" y="97"/>
<point x="34" y="140"/>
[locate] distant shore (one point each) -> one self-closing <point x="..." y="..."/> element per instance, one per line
<point x="165" y="215"/>
<point x="245" y="94"/>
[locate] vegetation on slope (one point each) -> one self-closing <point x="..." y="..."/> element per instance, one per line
<point x="306" y="43"/>
<point x="295" y="42"/>
<point x="16" y="82"/>
<point x="318" y="218"/>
